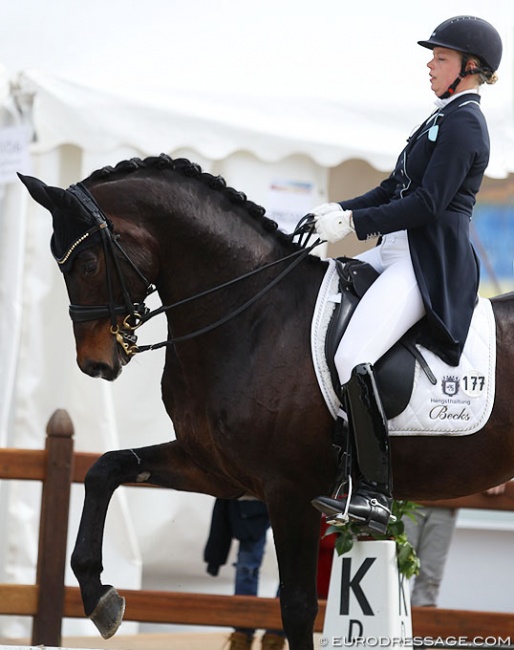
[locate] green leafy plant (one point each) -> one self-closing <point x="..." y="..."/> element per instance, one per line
<point x="408" y="561"/>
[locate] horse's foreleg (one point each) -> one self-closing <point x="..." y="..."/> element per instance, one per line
<point x="101" y="603"/>
<point x="296" y="530"/>
<point x="166" y="465"/>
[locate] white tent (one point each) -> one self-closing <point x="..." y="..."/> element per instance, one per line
<point x="324" y="80"/>
<point x="257" y="92"/>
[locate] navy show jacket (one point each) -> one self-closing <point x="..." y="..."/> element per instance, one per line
<point x="431" y="194"/>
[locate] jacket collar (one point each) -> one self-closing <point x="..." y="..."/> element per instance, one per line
<point x="442" y="103"/>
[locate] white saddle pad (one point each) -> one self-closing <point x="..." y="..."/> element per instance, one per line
<point x="461" y="401"/>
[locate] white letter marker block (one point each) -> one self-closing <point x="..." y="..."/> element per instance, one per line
<point x="368" y="599"/>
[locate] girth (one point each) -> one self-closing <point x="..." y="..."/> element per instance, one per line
<point x="394" y="371"/>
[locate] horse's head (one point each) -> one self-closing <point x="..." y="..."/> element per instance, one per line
<point x="105" y="275"/>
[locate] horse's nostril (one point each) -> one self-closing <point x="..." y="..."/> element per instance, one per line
<point x="99" y="369"/>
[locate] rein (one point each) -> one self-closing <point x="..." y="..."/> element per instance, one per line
<point x="299" y="255"/>
<point x="138" y="313"/>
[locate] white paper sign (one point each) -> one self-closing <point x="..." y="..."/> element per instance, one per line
<point x="288" y="202"/>
<point x="14" y="153"/>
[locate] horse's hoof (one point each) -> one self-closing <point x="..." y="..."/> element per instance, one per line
<point x="108" y="613"/>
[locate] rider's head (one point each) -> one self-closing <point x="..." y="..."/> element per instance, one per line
<point x="472" y="44"/>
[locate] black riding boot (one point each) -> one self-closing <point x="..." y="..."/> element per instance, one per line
<point x="371" y="501"/>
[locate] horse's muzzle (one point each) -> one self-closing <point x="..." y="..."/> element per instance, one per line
<point x="101" y="369"/>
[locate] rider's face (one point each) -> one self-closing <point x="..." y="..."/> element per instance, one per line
<point x="444" y="68"/>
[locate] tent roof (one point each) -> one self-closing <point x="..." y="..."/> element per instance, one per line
<point x="276" y="79"/>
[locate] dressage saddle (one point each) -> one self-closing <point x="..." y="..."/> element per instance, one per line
<point x="394" y="371"/>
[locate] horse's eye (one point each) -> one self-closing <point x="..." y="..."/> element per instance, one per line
<point x="89" y="267"/>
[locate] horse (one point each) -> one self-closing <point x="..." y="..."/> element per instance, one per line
<point x="238" y="380"/>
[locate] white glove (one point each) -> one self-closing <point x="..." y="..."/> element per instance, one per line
<point x="332" y="222"/>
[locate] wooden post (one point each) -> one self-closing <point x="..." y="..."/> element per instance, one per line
<point x="53" y="530"/>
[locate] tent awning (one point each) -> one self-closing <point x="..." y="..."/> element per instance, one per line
<point x="218" y="125"/>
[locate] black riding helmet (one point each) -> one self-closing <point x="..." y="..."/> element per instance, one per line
<point x="473" y="37"/>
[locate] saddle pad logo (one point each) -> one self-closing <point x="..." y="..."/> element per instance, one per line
<point x="450" y="386"/>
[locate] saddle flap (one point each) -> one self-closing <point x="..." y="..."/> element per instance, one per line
<point x="395" y="370"/>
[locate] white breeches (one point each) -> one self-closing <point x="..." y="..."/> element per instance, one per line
<point x="390" y="307"/>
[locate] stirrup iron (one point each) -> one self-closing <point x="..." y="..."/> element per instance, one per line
<point x="342" y="518"/>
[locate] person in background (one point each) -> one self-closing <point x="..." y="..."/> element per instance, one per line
<point x="247" y="521"/>
<point x="430" y="533"/>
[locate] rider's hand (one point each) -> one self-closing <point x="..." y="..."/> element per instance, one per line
<point x="332" y="222"/>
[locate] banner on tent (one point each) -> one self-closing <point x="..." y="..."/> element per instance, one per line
<point x="288" y="201"/>
<point x="14" y="153"/>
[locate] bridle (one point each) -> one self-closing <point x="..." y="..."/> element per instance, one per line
<point x="133" y="311"/>
<point x="137" y="313"/>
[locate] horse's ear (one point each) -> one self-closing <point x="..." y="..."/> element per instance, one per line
<point x="69" y="218"/>
<point x="63" y="199"/>
<point x="38" y="190"/>
<point x="49" y="197"/>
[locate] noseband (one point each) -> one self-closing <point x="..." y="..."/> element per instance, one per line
<point x="136" y="314"/>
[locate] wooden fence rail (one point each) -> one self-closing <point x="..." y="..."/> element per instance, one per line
<point x="49" y="600"/>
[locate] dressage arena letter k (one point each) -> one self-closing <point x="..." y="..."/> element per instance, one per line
<point x="347" y="583"/>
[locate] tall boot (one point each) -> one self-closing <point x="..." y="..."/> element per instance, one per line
<point x="371" y="502"/>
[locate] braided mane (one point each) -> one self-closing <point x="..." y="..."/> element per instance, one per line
<point x="191" y="170"/>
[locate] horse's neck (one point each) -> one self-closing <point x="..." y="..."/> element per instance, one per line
<point x="200" y="239"/>
<point x="199" y="250"/>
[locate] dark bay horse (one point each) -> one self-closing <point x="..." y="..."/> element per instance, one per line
<point x="238" y="381"/>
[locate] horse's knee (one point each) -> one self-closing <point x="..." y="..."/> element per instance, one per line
<point x="99" y="470"/>
<point x="105" y="473"/>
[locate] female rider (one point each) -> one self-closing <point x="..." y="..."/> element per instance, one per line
<point x="427" y="264"/>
